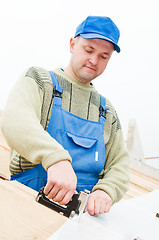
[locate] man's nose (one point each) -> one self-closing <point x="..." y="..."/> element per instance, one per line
<point x="93" y="60"/>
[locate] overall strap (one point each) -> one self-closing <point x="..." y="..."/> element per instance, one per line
<point x="57" y="92"/>
<point x="102" y="110"/>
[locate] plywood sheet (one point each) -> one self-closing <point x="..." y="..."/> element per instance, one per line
<point x="21" y="217"/>
<point x="4" y="157"/>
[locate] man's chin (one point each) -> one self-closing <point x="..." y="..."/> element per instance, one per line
<point x="87" y="77"/>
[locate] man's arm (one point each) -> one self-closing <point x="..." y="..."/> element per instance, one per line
<point x="24" y="133"/>
<point x="22" y="129"/>
<point x="115" y="181"/>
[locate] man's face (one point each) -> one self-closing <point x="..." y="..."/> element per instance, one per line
<point x="89" y="58"/>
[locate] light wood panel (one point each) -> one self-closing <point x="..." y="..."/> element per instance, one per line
<point x="21" y="217"/>
<point x="140" y="183"/>
<point x="4" y="157"/>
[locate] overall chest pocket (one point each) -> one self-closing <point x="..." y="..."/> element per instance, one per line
<point x="83" y="151"/>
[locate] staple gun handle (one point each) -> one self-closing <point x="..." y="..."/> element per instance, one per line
<point x="67" y="210"/>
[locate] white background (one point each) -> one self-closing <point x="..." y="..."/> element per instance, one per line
<point x="37" y="32"/>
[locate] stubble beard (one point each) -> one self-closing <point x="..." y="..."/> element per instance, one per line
<point x="84" y="76"/>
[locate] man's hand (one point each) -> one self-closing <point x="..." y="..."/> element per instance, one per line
<point x="61" y="182"/>
<point x="99" y="202"/>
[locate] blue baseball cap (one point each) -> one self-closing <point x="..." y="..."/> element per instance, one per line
<point x="99" y="27"/>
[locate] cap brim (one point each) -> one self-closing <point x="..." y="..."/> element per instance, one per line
<point x="93" y="35"/>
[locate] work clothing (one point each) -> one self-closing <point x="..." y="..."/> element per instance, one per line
<point x="84" y="140"/>
<point x="26" y="132"/>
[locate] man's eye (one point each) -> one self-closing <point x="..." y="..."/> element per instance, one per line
<point x="88" y="50"/>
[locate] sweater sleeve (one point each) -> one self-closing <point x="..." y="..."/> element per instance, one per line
<point x="115" y="176"/>
<point x="22" y="129"/>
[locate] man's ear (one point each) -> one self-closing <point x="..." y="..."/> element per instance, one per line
<point x="72" y="44"/>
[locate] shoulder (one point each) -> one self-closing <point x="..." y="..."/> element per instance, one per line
<point x="113" y="115"/>
<point x="40" y="75"/>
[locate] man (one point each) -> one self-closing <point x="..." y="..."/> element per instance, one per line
<point x="64" y="135"/>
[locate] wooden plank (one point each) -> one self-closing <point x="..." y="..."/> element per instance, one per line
<point x="22" y="217"/>
<point x="140" y="183"/>
<point x="4" y="157"/>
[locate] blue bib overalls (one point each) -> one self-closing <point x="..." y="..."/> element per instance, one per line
<point x="84" y="140"/>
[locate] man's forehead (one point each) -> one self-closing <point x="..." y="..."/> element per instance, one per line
<point x="95" y="43"/>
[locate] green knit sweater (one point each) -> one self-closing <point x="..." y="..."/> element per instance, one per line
<point x="26" y="117"/>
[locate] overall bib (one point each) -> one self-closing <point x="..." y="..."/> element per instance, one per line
<point x="84" y="140"/>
